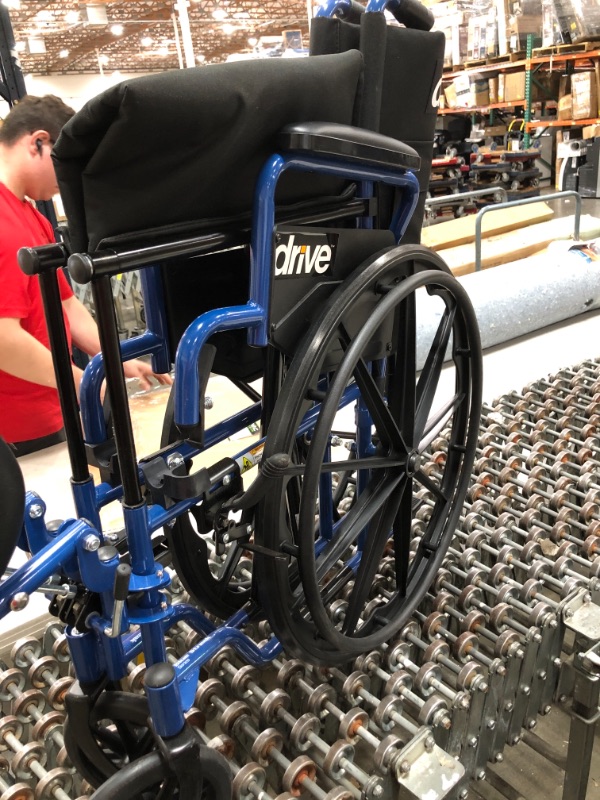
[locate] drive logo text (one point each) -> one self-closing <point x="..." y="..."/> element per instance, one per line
<point x="304" y="255"/>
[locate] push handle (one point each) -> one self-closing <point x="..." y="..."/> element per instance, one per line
<point x="409" y="12"/>
<point x="349" y="10"/>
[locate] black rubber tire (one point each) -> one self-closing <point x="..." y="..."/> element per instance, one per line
<point x="300" y="617"/>
<point x="148" y="777"/>
<point x="88" y="749"/>
<point x="13" y="503"/>
<point x="189" y="552"/>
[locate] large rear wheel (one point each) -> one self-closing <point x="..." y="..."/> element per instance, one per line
<point x="369" y="375"/>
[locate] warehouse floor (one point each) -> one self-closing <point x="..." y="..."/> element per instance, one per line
<point x="506" y="367"/>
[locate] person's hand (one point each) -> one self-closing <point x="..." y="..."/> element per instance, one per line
<point x="143" y="372"/>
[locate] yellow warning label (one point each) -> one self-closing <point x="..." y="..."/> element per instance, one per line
<point x="246" y="464"/>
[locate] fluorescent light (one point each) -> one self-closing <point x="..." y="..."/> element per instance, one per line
<point x="71" y="17"/>
<point x="11" y="3"/>
<point x="219" y="14"/>
<point x="117" y="29"/>
<point x="94" y="14"/>
<point x="63" y="54"/>
<point x="36" y="45"/>
<point x="228" y="28"/>
<point x="146" y="41"/>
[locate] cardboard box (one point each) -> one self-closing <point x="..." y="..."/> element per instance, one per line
<point x="514" y="87"/>
<point x="577" y="19"/>
<point x="584" y="92"/>
<point x="480" y="92"/>
<point x="462" y="87"/>
<point x="501" y="87"/>
<point x="450" y="96"/>
<point x="591" y="131"/>
<point x="520" y="27"/>
<point x="544" y="87"/>
<point x="493" y="89"/>
<point x="565" y="107"/>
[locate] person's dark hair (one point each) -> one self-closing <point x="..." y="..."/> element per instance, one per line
<point x="30" y="114"/>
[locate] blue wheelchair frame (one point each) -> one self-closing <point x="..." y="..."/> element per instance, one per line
<point x="75" y="547"/>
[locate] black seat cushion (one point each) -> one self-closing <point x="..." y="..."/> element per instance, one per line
<point x="188" y="144"/>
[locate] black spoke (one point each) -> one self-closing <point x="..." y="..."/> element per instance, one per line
<point x="402" y="372"/>
<point x="438" y="420"/>
<point x="378" y="535"/>
<point x="430" y="485"/>
<point x="357" y="519"/>
<point x="354" y="464"/>
<point x="430" y="374"/>
<point x="384" y="422"/>
<point x="402" y="539"/>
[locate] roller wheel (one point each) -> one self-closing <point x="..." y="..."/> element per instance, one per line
<point x="319" y="578"/>
<point x="216" y="582"/>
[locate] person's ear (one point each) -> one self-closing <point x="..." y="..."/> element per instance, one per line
<point x="37" y="141"/>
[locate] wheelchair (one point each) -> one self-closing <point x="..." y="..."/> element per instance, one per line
<point x="273" y="211"/>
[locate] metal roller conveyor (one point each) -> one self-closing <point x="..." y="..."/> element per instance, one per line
<point x="510" y="624"/>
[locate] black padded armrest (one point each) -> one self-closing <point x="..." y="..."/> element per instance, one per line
<point x="352" y="144"/>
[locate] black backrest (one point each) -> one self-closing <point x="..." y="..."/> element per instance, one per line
<point x="401" y="80"/>
<point x="188" y="144"/>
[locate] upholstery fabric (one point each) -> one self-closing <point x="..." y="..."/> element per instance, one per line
<point x="189" y="144"/>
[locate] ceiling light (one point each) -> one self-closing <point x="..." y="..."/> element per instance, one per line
<point x="63" y="54"/>
<point x="44" y="16"/>
<point x="36" y="46"/>
<point x="94" y="14"/>
<point x="20" y="47"/>
<point x="253" y="41"/>
<point x="163" y="51"/>
<point x="146" y="41"/>
<point x="71" y="17"/>
<point x="228" y="28"/>
<point x="201" y="58"/>
<point x="103" y="59"/>
<point x="12" y="3"/>
<point x="117" y="30"/>
<point x="219" y="14"/>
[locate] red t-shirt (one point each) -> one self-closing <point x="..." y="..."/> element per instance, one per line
<point x="27" y="410"/>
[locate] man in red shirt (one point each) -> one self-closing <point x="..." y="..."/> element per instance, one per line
<point x="30" y="415"/>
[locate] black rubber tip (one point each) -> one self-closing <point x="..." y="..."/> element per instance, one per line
<point x="80" y="267"/>
<point x="122" y="575"/>
<point x="159" y="675"/>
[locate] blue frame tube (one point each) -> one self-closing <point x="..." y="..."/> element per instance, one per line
<point x="92" y="417"/>
<point x="187" y="385"/>
<point x="254" y="315"/>
<point x="261" y="254"/>
<point x="45" y="563"/>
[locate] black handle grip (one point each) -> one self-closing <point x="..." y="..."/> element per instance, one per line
<point x="34" y="260"/>
<point x="122" y="576"/>
<point x="412" y="14"/>
<point x="351" y="11"/>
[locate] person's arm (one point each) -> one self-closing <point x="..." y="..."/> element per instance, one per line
<point x="24" y="357"/>
<point x="84" y="333"/>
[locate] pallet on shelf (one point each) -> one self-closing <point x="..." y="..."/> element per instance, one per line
<point x="462" y="231"/>
<point x="565" y="49"/>
<point x="506" y="58"/>
<point x="517" y="244"/>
